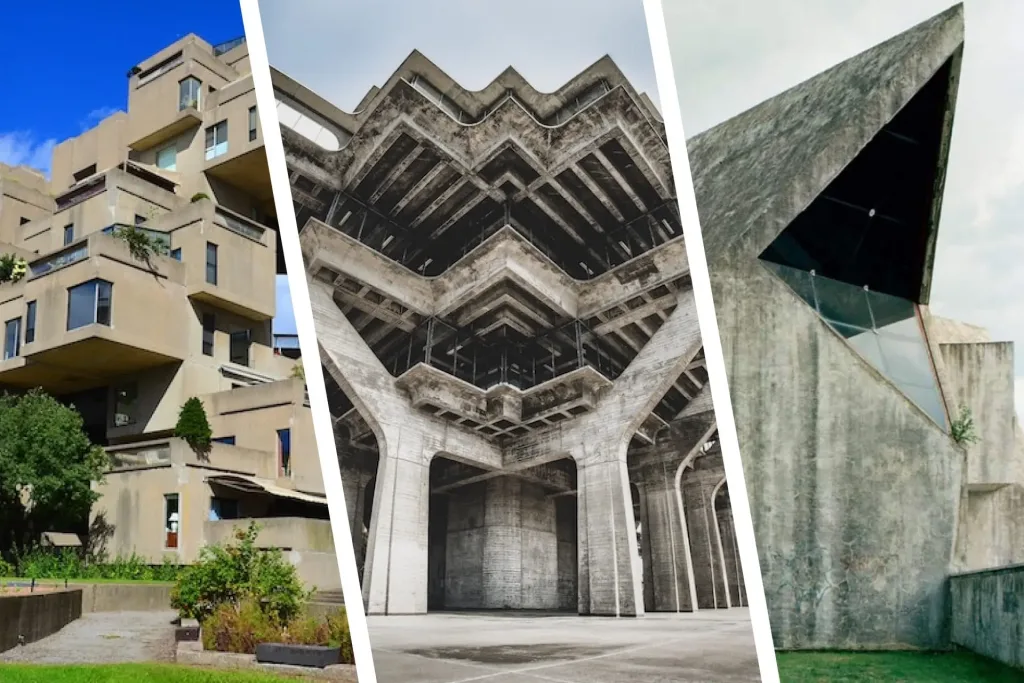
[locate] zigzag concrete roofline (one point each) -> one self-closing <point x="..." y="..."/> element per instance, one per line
<point x="474" y="106"/>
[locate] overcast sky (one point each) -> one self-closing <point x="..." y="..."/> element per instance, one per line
<point x="340" y="49"/>
<point x="728" y="55"/>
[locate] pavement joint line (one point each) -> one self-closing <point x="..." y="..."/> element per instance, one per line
<point x="541" y="667"/>
<point x="472" y="665"/>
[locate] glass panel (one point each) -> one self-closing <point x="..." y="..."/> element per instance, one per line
<point x="30" y="322"/>
<point x="103" y="294"/>
<point x="887" y="309"/>
<point x="124" y="404"/>
<point x="798" y="280"/>
<point x="209" y="324"/>
<point x="82" y="305"/>
<point x="167" y="158"/>
<point x="69" y="234"/>
<point x="12" y="338"/>
<point x="171" y="521"/>
<point x="211" y="263"/>
<point x="842" y="303"/>
<point x="188" y="93"/>
<point x="927" y="399"/>
<point x="864" y="341"/>
<point x="239" y="351"/>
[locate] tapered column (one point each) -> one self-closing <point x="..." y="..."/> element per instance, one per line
<point x="667" y="576"/>
<point x="709" y="578"/>
<point x="730" y="550"/>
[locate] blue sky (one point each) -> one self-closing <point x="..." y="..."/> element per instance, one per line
<point x="72" y="84"/>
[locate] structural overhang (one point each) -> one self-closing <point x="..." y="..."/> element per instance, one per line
<point x="250" y="484"/>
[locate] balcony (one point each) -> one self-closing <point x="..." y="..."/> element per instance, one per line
<point x="228" y="259"/>
<point x="98" y="313"/>
<point x="233" y="141"/>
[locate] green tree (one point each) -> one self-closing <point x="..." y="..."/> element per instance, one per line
<point x="47" y="466"/>
<point x="193" y="426"/>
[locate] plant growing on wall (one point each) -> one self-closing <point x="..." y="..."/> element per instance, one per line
<point x="141" y="245"/>
<point x="193" y="426"/>
<point x="298" y="372"/>
<point x="12" y="268"/>
<point x="962" y="428"/>
<point x="199" y="196"/>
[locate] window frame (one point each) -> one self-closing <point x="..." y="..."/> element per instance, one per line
<point x="69" y="234"/>
<point x="195" y="103"/>
<point x="30" y="321"/>
<point x="97" y="284"/>
<point x="211" y="248"/>
<point x="253" y="124"/>
<point x="209" y="327"/>
<point x="168" y="497"/>
<point x="284" y="453"/>
<point x="216" y="140"/>
<point x="16" y="339"/>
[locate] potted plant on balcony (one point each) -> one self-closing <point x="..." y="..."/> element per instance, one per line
<point x="194" y="428"/>
<point x="12" y="268"/>
<point x="199" y="196"/>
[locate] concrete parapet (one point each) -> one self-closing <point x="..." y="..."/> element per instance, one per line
<point x="28" y="617"/>
<point x="124" y="597"/>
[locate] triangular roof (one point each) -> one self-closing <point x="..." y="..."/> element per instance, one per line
<point x="756" y="172"/>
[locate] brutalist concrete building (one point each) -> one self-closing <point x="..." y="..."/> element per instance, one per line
<point x="507" y="327"/>
<point x="819" y="210"/>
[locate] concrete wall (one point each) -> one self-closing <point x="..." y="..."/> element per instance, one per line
<point x="124" y="597"/>
<point x="828" y="447"/>
<point x="987" y="609"/>
<point x="34" y="616"/>
<point x="991" y="532"/>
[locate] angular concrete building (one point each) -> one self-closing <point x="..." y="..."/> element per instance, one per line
<point x="128" y="339"/>
<point x="819" y="210"/>
<point x="507" y="327"/>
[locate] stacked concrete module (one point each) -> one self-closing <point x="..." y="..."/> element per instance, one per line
<point x="502" y="300"/>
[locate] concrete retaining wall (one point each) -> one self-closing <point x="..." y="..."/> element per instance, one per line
<point x="124" y="597"/>
<point x="988" y="613"/>
<point x="33" y="616"/>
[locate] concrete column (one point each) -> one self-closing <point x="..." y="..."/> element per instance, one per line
<point x="730" y="551"/>
<point x="609" y="562"/>
<point x="708" y="576"/>
<point x="668" y="584"/>
<point x="395" y="571"/>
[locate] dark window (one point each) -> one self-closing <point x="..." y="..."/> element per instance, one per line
<point x="139" y="220"/>
<point x="69" y="234"/>
<point x="252" y="123"/>
<point x="30" y="322"/>
<point x="12" y="338"/>
<point x="85" y="173"/>
<point x="88" y="303"/>
<point x="209" y="326"/>
<point x="229" y="440"/>
<point x="240" y="342"/>
<point x="284" y="452"/>
<point x="125" y="401"/>
<point x="176" y="254"/>
<point x="24" y="220"/>
<point x="223" y="508"/>
<point x="211" y="263"/>
<point x="171" y="521"/>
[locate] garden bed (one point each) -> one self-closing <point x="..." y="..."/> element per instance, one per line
<point x="192" y="653"/>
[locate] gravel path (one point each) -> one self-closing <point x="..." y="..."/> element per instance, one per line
<point x="103" y="638"/>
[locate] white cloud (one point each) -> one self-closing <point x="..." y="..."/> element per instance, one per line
<point x="95" y="116"/>
<point x="22" y="148"/>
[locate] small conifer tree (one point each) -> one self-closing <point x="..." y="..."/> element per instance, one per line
<point x="193" y="426"/>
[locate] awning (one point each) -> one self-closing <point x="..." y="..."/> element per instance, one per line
<point x="241" y="482"/>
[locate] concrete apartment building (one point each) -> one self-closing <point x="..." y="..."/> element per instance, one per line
<point x="507" y="328"/>
<point x="820" y="234"/>
<point x="127" y="340"/>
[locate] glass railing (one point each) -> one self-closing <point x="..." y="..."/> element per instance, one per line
<point x="77" y="253"/>
<point x="237" y="224"/>
<point x="157" y="236"/>
<point x="886" y="330"/>
<point x="228" y="45"/>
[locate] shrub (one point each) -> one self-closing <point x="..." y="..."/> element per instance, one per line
<point x="69" y="563"/>
<point x="141" y="245"/>
<point x="6" y="568"/>
<point x="241" y="627"/>
<point x="227" y="575"/>
<point x="193" y="426"/>
<point x="199" y="196"/>
<point x="962" y="428"/>
<point x="12" y="268"/>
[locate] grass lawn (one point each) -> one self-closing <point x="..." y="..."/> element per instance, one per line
<point x="129" y="673"/>
<point x="865" y="667"/>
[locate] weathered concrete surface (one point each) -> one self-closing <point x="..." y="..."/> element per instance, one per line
<point x="192" y="654"/>
<point x="104" y="638"/>
<point x="28" y="617"/>
<point x="702" y="646"/>
<point x="988" y="613"/>
<point x="991" y="531"/>
<point x="829" y="447"/>
<point x="124" y="597"/>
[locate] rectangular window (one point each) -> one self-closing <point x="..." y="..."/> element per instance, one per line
<point x="189" y="90"/>
<point x="211" y="263"/>
<point x="240" y="342"/>
<point x="167" y="158"/>
<point x="172" y="521"/>
<point x="69" y="234"/>
<point x="30" y="322"/>
<point x="252" y="123"/>
<point x="125" y="401"/>
<point x="209" y="326"/>
<point x="227" y="440"/>
<point x="176" y="254"/>
<point x="223" y="508"/>
<point x="284" y="452"/>
<point x="216" y="140"/>
<point x="12" y="338"/>
<point x="88" y="303"/>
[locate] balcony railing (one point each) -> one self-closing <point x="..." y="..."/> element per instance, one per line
<point x="239" y="225"/>
<point x="65" y="257"/>
<point x="227" y="46"/>
<point x="156" y="235"/>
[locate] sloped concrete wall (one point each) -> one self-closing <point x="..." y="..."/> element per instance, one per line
<point x="34" y="616"/>
<point x="987" y="609"/>
<point x="853" y="490"/>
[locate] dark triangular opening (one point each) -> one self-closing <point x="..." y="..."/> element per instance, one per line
<point x="872" y="224"/>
